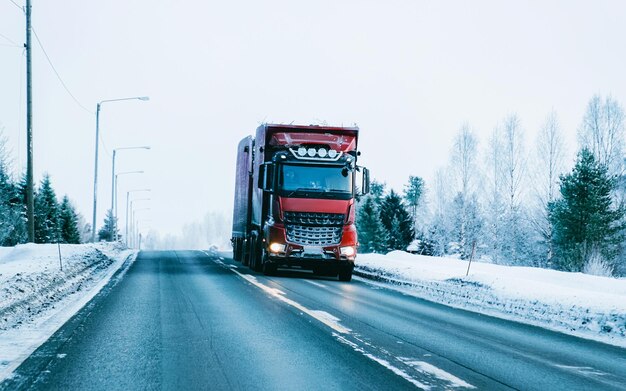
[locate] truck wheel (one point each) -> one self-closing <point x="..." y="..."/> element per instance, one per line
<point x="255" y="254"/>
<point x="269" y="269"/>
<point x="245" y="253"/>
<point x="345" y="274"/>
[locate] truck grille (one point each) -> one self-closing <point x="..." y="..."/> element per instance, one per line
<point x="317" y="229"/>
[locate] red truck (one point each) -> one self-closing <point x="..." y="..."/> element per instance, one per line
<point x="294" y="199"/>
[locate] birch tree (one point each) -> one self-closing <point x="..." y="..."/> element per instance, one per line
<point x="515" y="241"/>
<point x="549" y="165"/>
<point x="493" y="194"/>
<point x="463" y="166"/>
<point x="602" y="132"/>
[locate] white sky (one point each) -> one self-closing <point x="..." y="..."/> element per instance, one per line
<point x="409" y="73"/>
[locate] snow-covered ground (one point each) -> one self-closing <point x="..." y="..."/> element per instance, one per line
<point x="574" y="303"/>
<point x="36" y="297"/>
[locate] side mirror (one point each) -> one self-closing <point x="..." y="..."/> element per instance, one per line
<point x="366" y="181"/>
<point x="266" y="177"/>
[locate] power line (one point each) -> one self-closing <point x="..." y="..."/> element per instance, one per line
<point x="9" y="40"/>
<point x="17" y="5"/>
<point x="59" y="76"/>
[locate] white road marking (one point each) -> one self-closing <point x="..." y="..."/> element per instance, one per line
<point x="424" y="367"/>
<point x="382" y="362"/>
<point x="316" y="283"/>
<point x="583" y="370"/>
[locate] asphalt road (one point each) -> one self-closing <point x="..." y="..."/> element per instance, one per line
<point x="188" y="320"/>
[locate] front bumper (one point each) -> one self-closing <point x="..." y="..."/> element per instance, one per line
<point x="310" y="256"/>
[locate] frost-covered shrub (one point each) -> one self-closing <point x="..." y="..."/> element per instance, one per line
<point x="596" y="265"/>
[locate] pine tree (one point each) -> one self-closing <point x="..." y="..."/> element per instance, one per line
<point x="46" y="213"/>
<point x="585" y="222"/>
<point x="6" y="192"/>
<point x="413" y="192"/>
<point x="68" y="222"/>
<point x="401" y="231"/>
<point x="12" y="227"/>
<point x="107" y="231"/>
<point x="377" y="191"/>
<point x="372" y="235"/>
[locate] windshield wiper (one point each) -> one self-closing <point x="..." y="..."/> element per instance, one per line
<point x="304" y="190"/>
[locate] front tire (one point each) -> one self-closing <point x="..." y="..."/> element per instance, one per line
<point x="345" y="274"/>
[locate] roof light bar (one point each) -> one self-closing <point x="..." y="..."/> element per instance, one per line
<point x="311" y="153"/>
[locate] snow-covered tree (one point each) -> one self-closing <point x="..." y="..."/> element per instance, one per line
<point x="463" y="165"/>
<point x="373" y="236"/>
<point x="413" y="196"/>
<point x="377" y="191"/>
<point x="107" y="232"/>
<point x="602" y="132"/>
<point x="549" y="159"/>
<point x="512" y="246"/>
<point x="46" y="213"/>
<point x="68" y="222"/>
<point x="439" y="232"/>
<point x="12" y="208"/>
<point x="464" y="209"/>
<point x="397" y="222"/>
<point x="586" y="224"/>
<point x="494" y="195"/>
<point x="468" y="225"/>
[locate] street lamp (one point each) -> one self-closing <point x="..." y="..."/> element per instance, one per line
<point x="127" y="199"/>
<point x="115" y="197"/>
<point x="113" y="184"/>
<point x="132" y="220"/>
<point x="95" y="175"/>
<point x="139" y="234"/>
<point x="134" y="223"/>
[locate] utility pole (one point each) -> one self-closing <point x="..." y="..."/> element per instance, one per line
<point x="95" y="177"/>
<point x="30" y="202"/>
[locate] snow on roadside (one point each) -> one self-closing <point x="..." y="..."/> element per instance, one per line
<point x="37" y="298"/>
<point x="587" y="306"/>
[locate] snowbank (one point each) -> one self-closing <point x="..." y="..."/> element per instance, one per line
<point x="37" y="297"/>
<point x="583" y="305"/>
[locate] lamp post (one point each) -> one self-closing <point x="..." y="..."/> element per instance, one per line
<point x="115" y="198"/>
<point x="139" y="234"/>
<point x="139" y="199"/>
<point x="113" y="177"/>
<point x="134" y="223"/>
<point x="127" y="202"/>
<point x="95" y="175"/>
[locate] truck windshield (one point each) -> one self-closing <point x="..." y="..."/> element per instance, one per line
<point x="315" y="181"/>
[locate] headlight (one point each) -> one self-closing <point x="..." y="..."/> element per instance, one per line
<point x="348" y="251"/>
<point x="277" y="248"/>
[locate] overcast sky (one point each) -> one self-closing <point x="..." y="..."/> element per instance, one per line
<point x="408" y="73"/>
